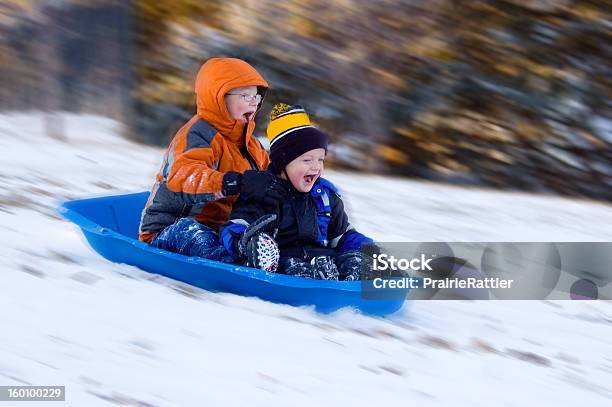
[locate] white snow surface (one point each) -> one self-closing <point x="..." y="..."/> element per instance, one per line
<point x="113" y="334"/>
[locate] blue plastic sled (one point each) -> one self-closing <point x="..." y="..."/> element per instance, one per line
<point x="110" y="224"/>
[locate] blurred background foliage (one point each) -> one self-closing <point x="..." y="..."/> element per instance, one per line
<point x="513" y="94"/>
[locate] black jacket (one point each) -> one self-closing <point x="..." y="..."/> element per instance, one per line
<point x="307" y="224"/>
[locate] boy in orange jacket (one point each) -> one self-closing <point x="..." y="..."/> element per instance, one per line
<point x="212" y="159"/>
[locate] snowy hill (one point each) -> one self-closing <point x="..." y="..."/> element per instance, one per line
<point x="113" y="334"/>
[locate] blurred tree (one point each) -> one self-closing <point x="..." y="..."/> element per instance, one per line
<point x="165" y="61"/>
<point x="68" y="55"/>
<point x="508" y="93"/>
<point x="348" y="57"/>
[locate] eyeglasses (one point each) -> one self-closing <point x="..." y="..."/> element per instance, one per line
<point x="248" y="98"/>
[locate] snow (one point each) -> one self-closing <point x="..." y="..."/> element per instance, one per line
<point x="113" y="334"/>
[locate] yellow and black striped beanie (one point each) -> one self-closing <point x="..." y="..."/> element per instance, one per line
<point x="291" y="134"/>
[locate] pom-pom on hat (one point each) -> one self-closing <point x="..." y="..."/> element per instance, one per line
<point x="291" y="134"/>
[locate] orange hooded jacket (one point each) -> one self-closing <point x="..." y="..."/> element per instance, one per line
<point x="210" y="144"/>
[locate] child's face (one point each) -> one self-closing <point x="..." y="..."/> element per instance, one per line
<point x="306" y="169"/>
<point x="239" y="108"/>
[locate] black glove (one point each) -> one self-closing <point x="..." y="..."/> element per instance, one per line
<point x="263" y="224"/>
<point x="261" y="186"/>
<point x="240" y="241"/>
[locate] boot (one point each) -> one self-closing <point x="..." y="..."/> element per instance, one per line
<point x="324" y="268"/>
<point x="350" y="265"/>
<point x="262" y="252"/>
<point x="294" y="266"/>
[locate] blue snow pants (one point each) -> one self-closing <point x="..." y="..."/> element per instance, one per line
<point x="189" y="237"/>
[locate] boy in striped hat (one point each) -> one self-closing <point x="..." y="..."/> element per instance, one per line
<point x="310" y="225"/>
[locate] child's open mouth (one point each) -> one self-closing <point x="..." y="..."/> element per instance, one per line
<point x="310" y="178"/>
<point x="248" y="116"/>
